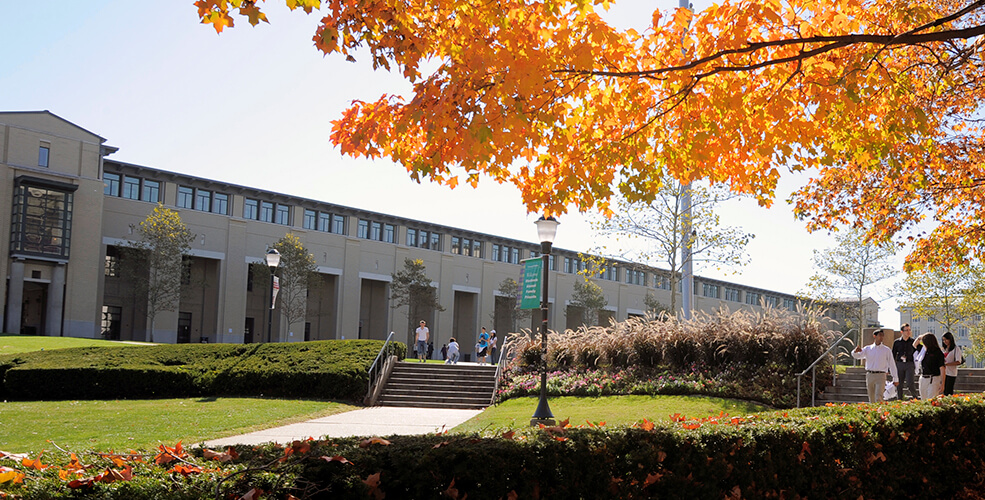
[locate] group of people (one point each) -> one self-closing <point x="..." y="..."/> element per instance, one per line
<point x="451" y="352"/>
<point x="936" y="365"/>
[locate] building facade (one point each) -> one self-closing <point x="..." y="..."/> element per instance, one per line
<point x="934" y="323"/>
<point x="73" y="207"/>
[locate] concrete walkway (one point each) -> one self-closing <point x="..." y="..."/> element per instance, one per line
<point x="373" y="421"/>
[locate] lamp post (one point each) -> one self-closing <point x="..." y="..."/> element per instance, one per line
<point x="546" y="230"/>
<point x="273" y="260"/>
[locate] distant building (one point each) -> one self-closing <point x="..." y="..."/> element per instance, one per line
<point x="845" y="312"/>
<point x="73" y="207"/>
<point x="933" y="324"/>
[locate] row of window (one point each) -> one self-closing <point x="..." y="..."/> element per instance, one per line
<point x="202" y="200"/>
<point x="375" y="230"/>
<point x="131" y="187"/>
<point x="466" y="246"/>
<point x="266" y="211"/>
<point x="423" y="239"/>
<point x="316" y="220"/>
<point x="503" y="253"/>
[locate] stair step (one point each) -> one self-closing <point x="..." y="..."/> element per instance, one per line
<point x="428" y="385"/>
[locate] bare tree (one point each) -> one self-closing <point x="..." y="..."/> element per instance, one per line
<point x="652" y="233"/>
<point x="850" y="270"/>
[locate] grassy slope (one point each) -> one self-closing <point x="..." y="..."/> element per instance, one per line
<point x="14" y="344"/>
<point x="144" y="424"/>
<point x="614" y="410"/>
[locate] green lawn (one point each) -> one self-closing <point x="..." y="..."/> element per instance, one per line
<point x="13" y="344"/>
<point x="144" y="424"/>
<point x="614" y="410"/>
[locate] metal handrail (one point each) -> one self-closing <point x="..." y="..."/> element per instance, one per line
<point x="813" y="369"/>
<point x="504" y="357"/>
<point x="376" y="368"/>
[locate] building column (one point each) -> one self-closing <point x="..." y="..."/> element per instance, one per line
<point x="15" y="296"/>
<point x="56" y="301"/>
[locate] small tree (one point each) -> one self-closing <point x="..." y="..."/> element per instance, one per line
<point x="153" y="264"/>
<point x="655" y="307"/>
<point x="940" y="293"/>
<point x="589" y="298"/>
<point x="509" y="290"/>
<point x="411" y="287"/>
<point x="850" y="270"/>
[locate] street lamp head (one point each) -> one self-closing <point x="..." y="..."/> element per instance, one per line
<point x="273" y="258"/>
<point x="546" y="229"/>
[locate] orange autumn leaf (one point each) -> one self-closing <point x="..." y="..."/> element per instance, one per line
<point x="336" y="458"/>
<point x="373" y="482"/>
<point x="34" y="464"/>
<point x="647" y="425"/>
<point x="652" y="478"/>
<point x="253" y="494"/>
<point x="186" y="470"/>
<point x="732" y="94"/>
<point x="227" y="456"/>
<point x="508" y="434"/>
<point x="366" y="443"/>
<point x="12" y="476"/>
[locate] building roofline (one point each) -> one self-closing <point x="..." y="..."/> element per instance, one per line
<point x="49" y="113"/>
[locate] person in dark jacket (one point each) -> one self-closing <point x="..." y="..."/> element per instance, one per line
<point x="905" y="367"/>
<point x="931" y="367"/>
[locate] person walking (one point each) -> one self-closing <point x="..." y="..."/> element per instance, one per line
<point x="453" y="352"/>
<point x="482" y="347"/>
<point x="931" y="367"/>
<point x="952" y="359"/>
<point x="492" y="347"/>
<point x="878" y="360"/>
<point x="905" y="367"/>
<point x="423" y="336"/>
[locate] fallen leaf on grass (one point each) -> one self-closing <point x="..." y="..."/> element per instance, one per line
<point x="366" y="443"/>
<point x="336" y="458"/>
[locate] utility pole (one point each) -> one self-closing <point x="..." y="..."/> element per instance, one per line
<point x="687" y="239"/>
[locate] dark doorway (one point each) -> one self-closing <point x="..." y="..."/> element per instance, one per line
<point x="248" y="331"/>
<point x="34" y="308"/>
<point x="184" y="327"/>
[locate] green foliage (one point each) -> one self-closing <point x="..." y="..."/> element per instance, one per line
<point x="298" y="273"/>
<point x="16" y="343"/>
<point x="332" y="369"/>
<point x="741" y="354"/>
<point x="153" y="264"/>
<point x="411" y="287"/>
<point x="926" y="448"/>
<point x="589" y="297"/>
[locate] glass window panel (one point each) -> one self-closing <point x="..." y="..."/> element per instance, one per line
<point x="251" y="209"/>
<point x="220" y="203"/>
<point x="131" y="187"/>
<point x="111" y="184"/>
<point x="325" y="222"/>
<point x="186" y="197"/>
<point x="151" y="191"/>
<point x="310" y="216"/>
<point x="203" y="200"/>
<point x="266" y="211"/>
<point x="283" y="214"/>
<point x="338" y="224"/>
<point x="363" y="230"/>
<point x="389" y="233"/>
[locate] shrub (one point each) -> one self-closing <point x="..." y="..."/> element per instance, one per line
<point x="753" y="355"/>
<point x="334" y="369"/>
<point x="926" y="449"/>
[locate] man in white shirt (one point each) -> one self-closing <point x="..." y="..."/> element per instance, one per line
<point x="878" y="360"/>
<point x="423" y="336"/>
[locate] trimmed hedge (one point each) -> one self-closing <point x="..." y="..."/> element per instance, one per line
<point x="917" y="449"/>
<point x="332" y="369"/>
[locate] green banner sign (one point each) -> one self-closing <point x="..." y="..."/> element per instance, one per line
<point x="533" y="273"/>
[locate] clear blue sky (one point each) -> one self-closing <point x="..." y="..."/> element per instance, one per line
<point x="253" y="106"/>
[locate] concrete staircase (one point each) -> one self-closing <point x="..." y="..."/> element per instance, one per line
<point x="426" y="385"/>
<point x="850" y="387"/>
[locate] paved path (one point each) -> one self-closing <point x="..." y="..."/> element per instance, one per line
<point x="373" y="421"/>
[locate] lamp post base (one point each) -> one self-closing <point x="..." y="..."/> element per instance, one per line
<point x="547" y="422"/>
